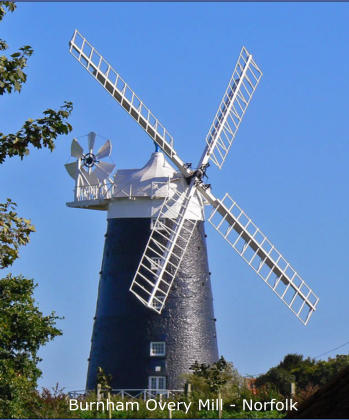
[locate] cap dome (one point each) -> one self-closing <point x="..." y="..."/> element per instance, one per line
<point x="154" y="175"/>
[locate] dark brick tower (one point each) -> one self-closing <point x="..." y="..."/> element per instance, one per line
<point x="125" y="331"/>
<point x="137" y="346"/>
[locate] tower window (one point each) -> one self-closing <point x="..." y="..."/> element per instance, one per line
<point x="157" y="348"/>
<point x="157" y="383"/>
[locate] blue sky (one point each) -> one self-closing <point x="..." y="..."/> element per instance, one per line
<point x="288" y="167"/>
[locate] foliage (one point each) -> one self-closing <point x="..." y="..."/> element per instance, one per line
<point x="303" y="394"/>
<point x="222" y="377"/>
<point x="277" y="378"/>
<point x="10" y="6"/>
<point x="14" y="232"/>
<point x="103" y="379"/>
<point x="55" y="404"/>
<point x="48" y="404"/>
<point x="23" y="330"/>
<point x="329" y="401"/>
<point x="41" y="132"/>
<point x="319" y="372"/>
<point x="215" y="375"/>
<point x="11" y="70"/>
<point x="306" y="373"/>
<point x="274" y="414"/>
<point x="12" y="76"/>
<point x="291" y="361"/>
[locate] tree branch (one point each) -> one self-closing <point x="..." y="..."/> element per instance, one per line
<point x="39" y="133"/>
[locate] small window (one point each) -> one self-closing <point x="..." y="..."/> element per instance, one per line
<point x="157" y="383"/>
<point x="157" y="348"/>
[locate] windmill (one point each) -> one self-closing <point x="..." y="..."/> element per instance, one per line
<point x="170" y="305"/>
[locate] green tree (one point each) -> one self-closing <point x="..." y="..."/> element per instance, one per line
<point x="306" y="373"/>
<point x="291" y="361"/>
<point x="215" y="375"/>
<point x="23" y="328"/>
<point x="14" y="232"/>
<point x="277" y="378"/>
<point x="38" y="133"/>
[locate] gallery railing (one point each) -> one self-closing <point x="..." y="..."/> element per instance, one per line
<point x="108" y="189"/>
<point x="144" y="394"/>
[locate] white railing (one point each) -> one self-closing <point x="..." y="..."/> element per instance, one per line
<point x="107" y="190"/>
<point x="134" y="393"/>
<point x="94" y="192"/>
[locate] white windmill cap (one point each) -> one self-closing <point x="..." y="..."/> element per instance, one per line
<point x="147" y="187"/>
<point x="143" y="182"/>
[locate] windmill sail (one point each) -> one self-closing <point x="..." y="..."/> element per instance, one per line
<point x="260" y="254"/>
<point x="112" y="82"/>
<point x="104" y="151"/>
<point x="164" y="251"/>
<point x="72" y="169"/>
<point x="232" y="108"/>
<point x="91" y="141"/>
<point x="76" y="150"/>
<point x="103" y="169"/>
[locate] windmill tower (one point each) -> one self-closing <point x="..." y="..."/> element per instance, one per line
<point x="154" y="313"/>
